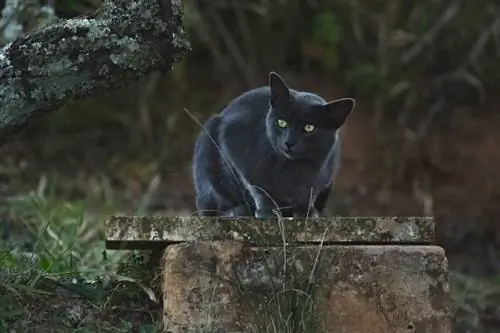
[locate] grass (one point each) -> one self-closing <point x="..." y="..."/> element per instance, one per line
<point x="292" y="307"/>
<point x="284" y="299"/>
<point x="477" y="303"/>
<point x="57" y="277"/>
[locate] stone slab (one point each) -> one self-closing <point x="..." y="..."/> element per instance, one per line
<point x="229" y="287"/>
<point x="126" y="232"/>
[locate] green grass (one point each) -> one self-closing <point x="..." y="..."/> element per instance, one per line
<point x="293" y="307"/>
<point x="477" y="302"/>
<point x="57" y="277"/>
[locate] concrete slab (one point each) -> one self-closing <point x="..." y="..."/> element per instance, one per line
<point x="126" y="232"/>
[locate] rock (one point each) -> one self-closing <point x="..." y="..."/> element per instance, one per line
<point x="226" y="286"/>
<point x="198" y="287"/>
<point x="145" y="231"/>
<point x="329" y="275"/>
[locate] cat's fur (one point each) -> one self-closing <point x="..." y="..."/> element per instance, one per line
<point x="240" y="167"/>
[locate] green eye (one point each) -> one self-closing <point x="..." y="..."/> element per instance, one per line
<point x="309" y="128"/>
<point x="282" y="123"/>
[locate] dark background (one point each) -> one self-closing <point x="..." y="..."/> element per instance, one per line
<point x="423" y="139"/>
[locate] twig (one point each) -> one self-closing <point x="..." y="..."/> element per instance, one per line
<point x="232" y="46"/>
<point x="483" y="38"/>
<point x="418" y="47"/>
<point x="144" y="111"/>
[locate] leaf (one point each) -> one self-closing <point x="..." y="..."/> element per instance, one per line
<point x="91" y="293"/>
<point x="44" y="264"/>
<point x="147" y="290"/>
<point x="31" y="290"/>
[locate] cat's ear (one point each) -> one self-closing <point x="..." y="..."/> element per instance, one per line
<point x="337" y="111"/>
<point x="279" y="89"/>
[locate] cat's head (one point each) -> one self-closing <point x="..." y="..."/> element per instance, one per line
<point x="303" y="125"/>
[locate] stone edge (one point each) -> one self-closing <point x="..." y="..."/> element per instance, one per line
<point x="143" y="232"/>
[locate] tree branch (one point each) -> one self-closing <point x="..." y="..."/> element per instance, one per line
<point x="86" y="57"/>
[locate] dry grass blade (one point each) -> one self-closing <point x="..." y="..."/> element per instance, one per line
<point x="147" y="290"/>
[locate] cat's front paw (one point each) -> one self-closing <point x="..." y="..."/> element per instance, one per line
<point x="238" y="211"/>
<point x="265" y="212"/>
<point x="306" y="212"/>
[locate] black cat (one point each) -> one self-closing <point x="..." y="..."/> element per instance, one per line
<point x="272" y="150"/>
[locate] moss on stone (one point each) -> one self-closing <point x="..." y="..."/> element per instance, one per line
<point x="275" y="231"/>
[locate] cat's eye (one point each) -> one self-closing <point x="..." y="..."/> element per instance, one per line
<point x="309" y="128"/>
<point x="282" y="123"/>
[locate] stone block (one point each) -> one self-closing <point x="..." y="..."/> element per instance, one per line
<point x="328" y="275"/>
<point x="123" y="232"/>
<point x="229" y="287"/>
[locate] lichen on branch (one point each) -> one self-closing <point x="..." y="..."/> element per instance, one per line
<point x="86" y="57"/>
<point x="22" y="16"/>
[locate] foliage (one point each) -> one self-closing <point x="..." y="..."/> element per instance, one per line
<point x="62" y="277"/>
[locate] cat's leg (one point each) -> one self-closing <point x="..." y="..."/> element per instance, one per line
<point x="305" y="211"/>
<point x="265" y="206"/>
<point x="262" y="202"/>
<point x="206" y="205"/>
<point x="206" y="169"/>
<point x="211" y="207"/>
<point x="216" y="203"/>
<point x="220" y="198"/>
<point x="322" y="199"/>
<point x="266" y="212"/>
<point x="241" y="210"/>
<point x="216" y="192"/>
<point x="316" y="209"/>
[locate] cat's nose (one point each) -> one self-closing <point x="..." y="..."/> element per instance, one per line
<point x="288" y="145"/>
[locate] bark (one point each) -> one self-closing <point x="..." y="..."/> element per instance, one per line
<point x="86" y="57"/>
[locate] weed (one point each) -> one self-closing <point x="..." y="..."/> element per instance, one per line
<point x="62" y="279"/>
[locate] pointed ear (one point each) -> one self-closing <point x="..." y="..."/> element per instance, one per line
<point x="279" y="89"/>
<point x="338" y="111"/>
